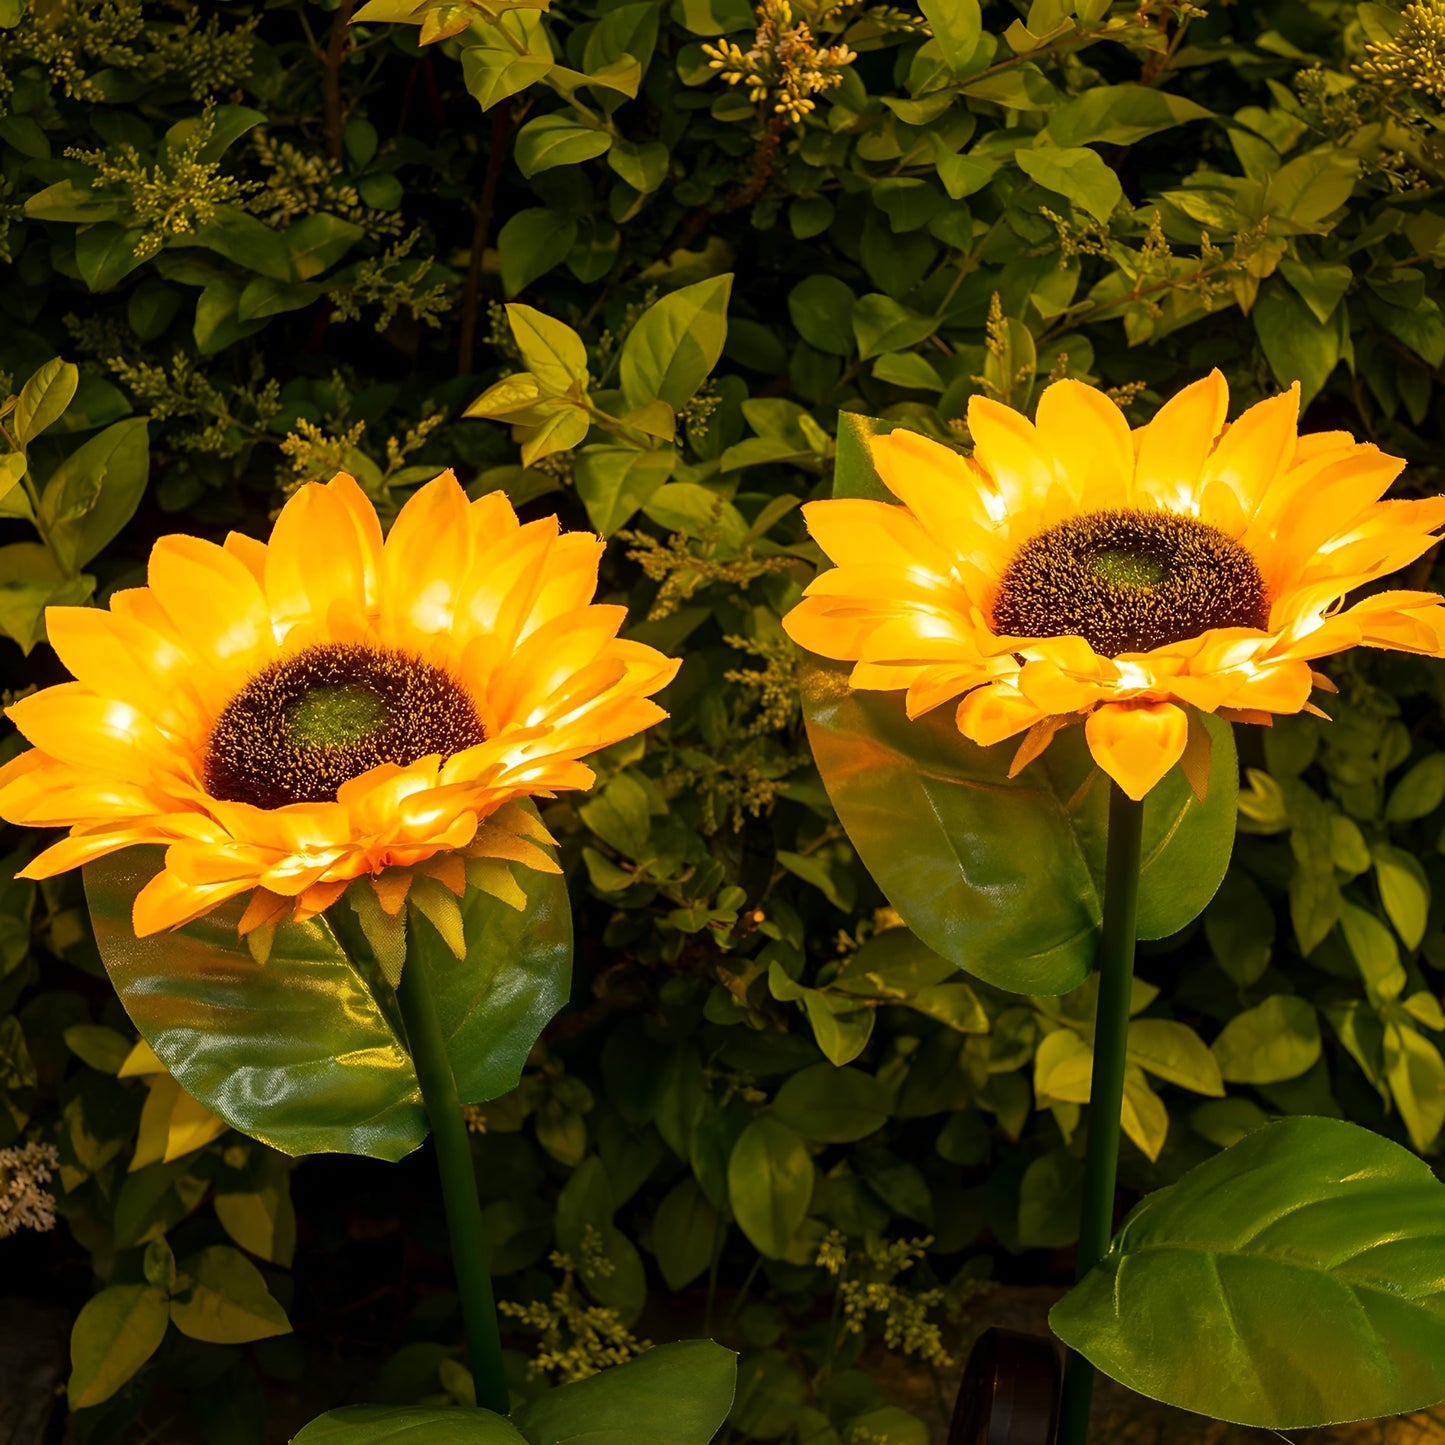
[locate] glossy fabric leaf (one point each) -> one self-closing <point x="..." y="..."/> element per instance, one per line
<point x="495" y="1003"/>
<point x="1293" y="1280"/>
<point x="677" y="1394"/>
<point x="407" y="1425"/>
<point x="999" y="875"/>
<point x="306" y="1053"/>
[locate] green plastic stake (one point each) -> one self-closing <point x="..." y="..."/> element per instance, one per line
<point x="458" y="1177"/>
<point x="1106" y="1088"/>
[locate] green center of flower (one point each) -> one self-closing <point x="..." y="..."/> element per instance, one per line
<point x="1129" y="581"/>
<point x="297" y="731"/>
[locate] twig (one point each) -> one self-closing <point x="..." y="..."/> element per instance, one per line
<point x="338" y="44"/>
<point x="481" y="230"/>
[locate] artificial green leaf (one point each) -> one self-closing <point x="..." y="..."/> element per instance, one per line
<point x="100" y="1047"/>
<point x="306" y="1053"/>
<point x="1291" y="1281"/>
<point x="770" y="1181"/>
<point x="1321" y="284"/>
<point x="1276" y="1040"/>
<point x="317" y="242"/>
<point x="408" y="1425"/>
<point x="675" y="1394"/>
<point x="227" y="1302"/>
<point x="1049" y="1196"/>
<point x="675" y="344"/>
<point x="116" y="1332"/>
<point x="1002" y="876"/>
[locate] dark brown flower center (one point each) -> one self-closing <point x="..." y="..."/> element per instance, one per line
<point x="1129" y="581"/>
<point x="308" y="723"/>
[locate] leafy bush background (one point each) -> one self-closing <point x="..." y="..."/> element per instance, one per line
<point x="277" y="244"/>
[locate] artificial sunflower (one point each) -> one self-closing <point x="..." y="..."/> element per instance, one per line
<point x="1072" y="570"/>
<point x="290" y="716"/>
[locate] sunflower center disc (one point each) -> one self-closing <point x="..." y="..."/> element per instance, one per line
<point x="297" y="731"/>
<point x="1129" y="581"/>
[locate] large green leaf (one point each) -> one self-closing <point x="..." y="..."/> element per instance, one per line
<point x="307" y="1053"/>
<point x="1004" y="876"/>
<point x="676" y="1394"/>
<point x="1001" y="876"/>
<point x="407" y="1425"/>
<point x="1293" y="1280"/>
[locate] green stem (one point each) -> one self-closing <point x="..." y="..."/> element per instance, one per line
<point x="459" y="1182"/>
<point x="1106" y="1090"/>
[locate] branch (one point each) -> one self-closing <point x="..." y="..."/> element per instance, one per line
<point x="338" y="46"/>
<point x="481" y="230"/>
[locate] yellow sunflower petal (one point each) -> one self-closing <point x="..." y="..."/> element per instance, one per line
<point x="1136" y="743"/>
<point x="98" y="734"/>
<point x="498" y="597"/>
<point x="1174" y="446"/>
<point x="166" y="902"/>
<point x="1256" y="450"/>
<point x="366" y="527"/>
<point x="1091" y="441"/>
<point x="117" y="657"/>
<point x="217" y="609"/>
<point x="314" y="559"/>
<point x="428" y="554"/>
<point x="997" y="711"/>
<point x="250" y="553"/>
<point x="954" y="502"/>
<point x="571" y="580"/>
<point x="81" y="848"/>
<point x="853" y="531"/>
<point x="1009" y="448"/>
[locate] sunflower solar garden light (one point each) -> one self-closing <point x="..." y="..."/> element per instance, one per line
<point x="1110" y="600"/>
<point x="335" y="739"/>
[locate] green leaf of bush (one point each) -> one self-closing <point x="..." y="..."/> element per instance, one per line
<point x="770" y="1182"/>
<point x="228" y="1302"/>
<point x="114" y="1335"/>
<point x="1292" y="1281"/>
